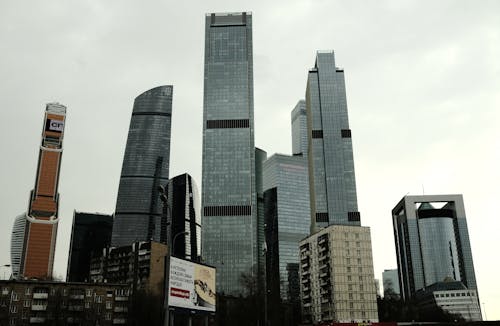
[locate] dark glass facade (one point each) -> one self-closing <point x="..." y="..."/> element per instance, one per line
<point x="229" y="199"/>
<point x="184" y="216"/>
<point x="90" y="233"/>
<point x="287" y="215"/>
<point x="145" y="166"/>
<point x="331" y="163"/>
<point x="432" y="242"/>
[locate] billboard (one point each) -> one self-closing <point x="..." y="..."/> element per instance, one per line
<point x="54" y="125"/>
<point x="191" y="285"/>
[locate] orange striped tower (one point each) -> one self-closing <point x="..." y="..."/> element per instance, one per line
<point x="42" y="216"/>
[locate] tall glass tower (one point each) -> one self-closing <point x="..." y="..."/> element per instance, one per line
<point x="145" y="166"/>
<point x="299" y="129"/>
<point x="229" y="202"/>
<point x="432" y="242"/>
<point x="331" y="164"/>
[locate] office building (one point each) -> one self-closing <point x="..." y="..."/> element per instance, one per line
<point x="452" y="297"/>
<point x="229" y="195"/>
<point x="331" y="164"/>
<point x="337" y="280"/>
<point x="145" y="166"/>
<point x="184" y="218"/>
<point x="34" y="234"/>
<point x="91" y="232"/>
<point x="432" y="242"/>
<point x="141" y="265"/>
<point x="32" y="302"/>
<point x="287" y="218"/>
<point x="299" y="129"/>
<point x="391" y="283"/>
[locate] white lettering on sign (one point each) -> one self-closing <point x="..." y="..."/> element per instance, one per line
<point x="56" y="125"/>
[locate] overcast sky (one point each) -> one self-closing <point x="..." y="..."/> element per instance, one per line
<point x="423" y="93"/>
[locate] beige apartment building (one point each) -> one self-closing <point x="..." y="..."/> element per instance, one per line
<point x="336" y="273"/>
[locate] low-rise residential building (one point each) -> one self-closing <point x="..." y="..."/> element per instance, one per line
<point x="31" y="302"/>
<point x="337" y="280"/>
<point x="141" y="265"/>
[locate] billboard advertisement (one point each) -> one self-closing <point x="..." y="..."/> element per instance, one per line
<point x="191" y="285"/>
<point x="54" y="125"/>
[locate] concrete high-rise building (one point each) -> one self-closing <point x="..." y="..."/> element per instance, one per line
<point x="299" y="129"/>
<point x="432" y="242"/>
<point x="34" y="234"/>
<point x="145" y="166"/>
<point x="91" y="232"/>
<point x="331" y="164"/>
<point x="287" y="219"/>
<point x="337" y="280"/>
<point x="184" y="218"/>
<point x="390" y="281"/>
<point x="229" y="199"/>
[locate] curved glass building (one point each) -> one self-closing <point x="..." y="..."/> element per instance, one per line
<point x="145" y="167"/>
<point x="432" y="243"/>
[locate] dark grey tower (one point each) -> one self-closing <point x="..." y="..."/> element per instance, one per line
<point x="184" y="217"/>
<point x="229" y="199"/>
<point x="331" y="163"/>
<point x="145" y="167"/>
<point x="432" y="242"/>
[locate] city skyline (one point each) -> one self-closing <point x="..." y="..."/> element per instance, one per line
<point x="416" y="98"/>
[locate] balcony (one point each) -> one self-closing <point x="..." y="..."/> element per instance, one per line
<point x="307" y="304"/>
<point x="38" y="307"/>
<point x="323" y="301"/>
<point x="37" y="320"/>
<point x="40" y="295"/>
<point x="121" y="298"/>
<point x="76" y="296"/>
<point x="120" y="309"/>
<point x="75" y="308"/>
<point x="305" y="265"/>
<point x="119" y="321"/>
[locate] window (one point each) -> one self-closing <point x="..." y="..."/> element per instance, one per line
<point x="13" y="309"/>
<point x="108" y="316"/>
<point x="359" y="261"/>
<point x="351" y="305"/>
<point x="349" y="277"/>
<point x="27" y="303"/>
<point x="109" y="293"/>
<point x="89" y="292"/>
<point x="27" y="291"/>
<point x="87" y="304"/>
<point x="360" y="269"/>
<point x="98" y="299"/>
<point x="357" y="244"/>
<point x="12" y="322"/>
<point x="349" y="287"/>
<point x="348" y="269"/>
<point x="109" y="305"/>
<point x="15" y="297"/>
<point x="5" y="291"/>
<point x="361" y="287"/>
<point x="361" y="296"/>
<point x="350" y="296"/>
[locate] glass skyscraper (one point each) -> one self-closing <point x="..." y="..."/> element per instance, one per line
<point x="299" y="129"/>
<point x="91" y="232"/>
<point x="183" y="211"/>
<point x="287" y="216"/>
<point x="432" y="242"/>
<point x="331" y="164"/>
<point x="145" y="166"/>
<point x="230" y="230"/>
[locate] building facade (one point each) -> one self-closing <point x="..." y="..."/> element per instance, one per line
<point x="141" y="265"/>
<point x="390" y="281"/>
<point x="432" y="242"/>
<point x="33" y="244"/>
<point x="145" y="166"/>
<point x="299" y="129"/>
<point x="331" y="164"/>
<point x="91" y="232"/>
<point x="337" y="280"/>
<point x="57" y="303"/>
<point x="451" y="297"/>
<point x="184" y="218"/>
<point x="287" y="218"/>
<point x="229" y="199"/>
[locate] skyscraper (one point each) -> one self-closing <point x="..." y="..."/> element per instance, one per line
<point x="432" y="242"/>
<point x="91" y="232"/>
<point x="34" y="235"/>
<point x="331" y="164"/>
<point x="287" y="215"/>
<point x="230" y="231"/>
<point x="390" y="283"/>
<point x="299" y="129"/>
<point x="184" y="218"/>
<point x="145" y="166"/>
